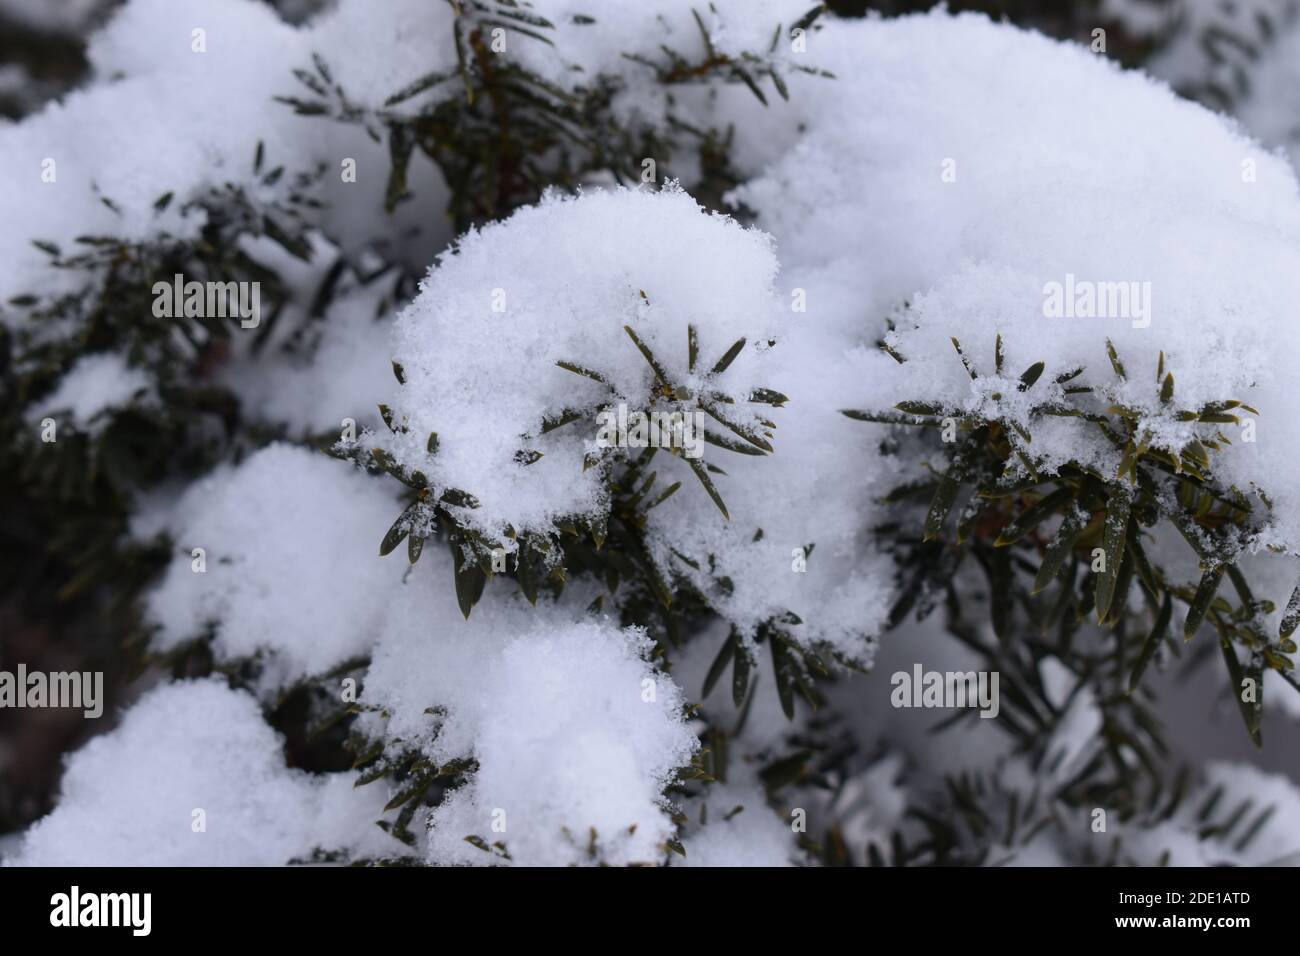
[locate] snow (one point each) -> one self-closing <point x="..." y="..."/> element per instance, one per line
<point x="165" y="118"/>
<point x="871" y="805"/>
<point x="1275" y="843"/>
<point x="128" y="797"/>
<point x="1088" y="172"/>
<point x="92" y="389"/>
<point x="372" y="52"/>
<point x="558" y="282"/>
<point x="334" y="371"/>
<point x="532" y="694"/>
<point x="137" y="138"/>
<point x="577" y="737"/>
<point x="614" y="46"/>
<point x="930" y="183"/>
<point x="429" y="654"/>
<point x="290" y="541"/>
<point x="754" y="836"/>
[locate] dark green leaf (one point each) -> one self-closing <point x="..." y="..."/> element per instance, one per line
<point x="742" y="431"/>
<point x="725" y="655"/>
<point x="459" y="499"/>
<point x="1291" y="616"/>
<point x="768" y="396"/>
<point x="396" y="533"/>
<point x="426" y="82"/>
<point x="782" y="668"/>
<point x="702" y="473"/>
<point x="1119" y="600"/>
<point x="946" y="494"/>
<point x="1247" y="710"/>
<point x="1030" y="376"/>
<point x="739" y="672"/>
<point x="469" y="580"/>
<point x="1033" y="516"/>
<point x="785" y="771"/>
<point x="584" y="372"/>
<point x="728" y="357"/>
<point x="1153" y="642"/>
<point x="920" y="408"/>
<point x="1060" y="548"/>
<point x="970" y="369"/>
<point x="1114" y="533"/>
<point x="1205" y="592"/>
<point x="1115" y="363"/>
<point x="660" y="372"/>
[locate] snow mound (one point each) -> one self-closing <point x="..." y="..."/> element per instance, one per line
<point x="130" y="797"/>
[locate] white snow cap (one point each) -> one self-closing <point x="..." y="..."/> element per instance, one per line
<point x="290" y="544"/>
<point x="937" y="174"/>
<point x="577" y="738"/>
<point x="480" y="347"/>
<point x="558" y="282"/>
